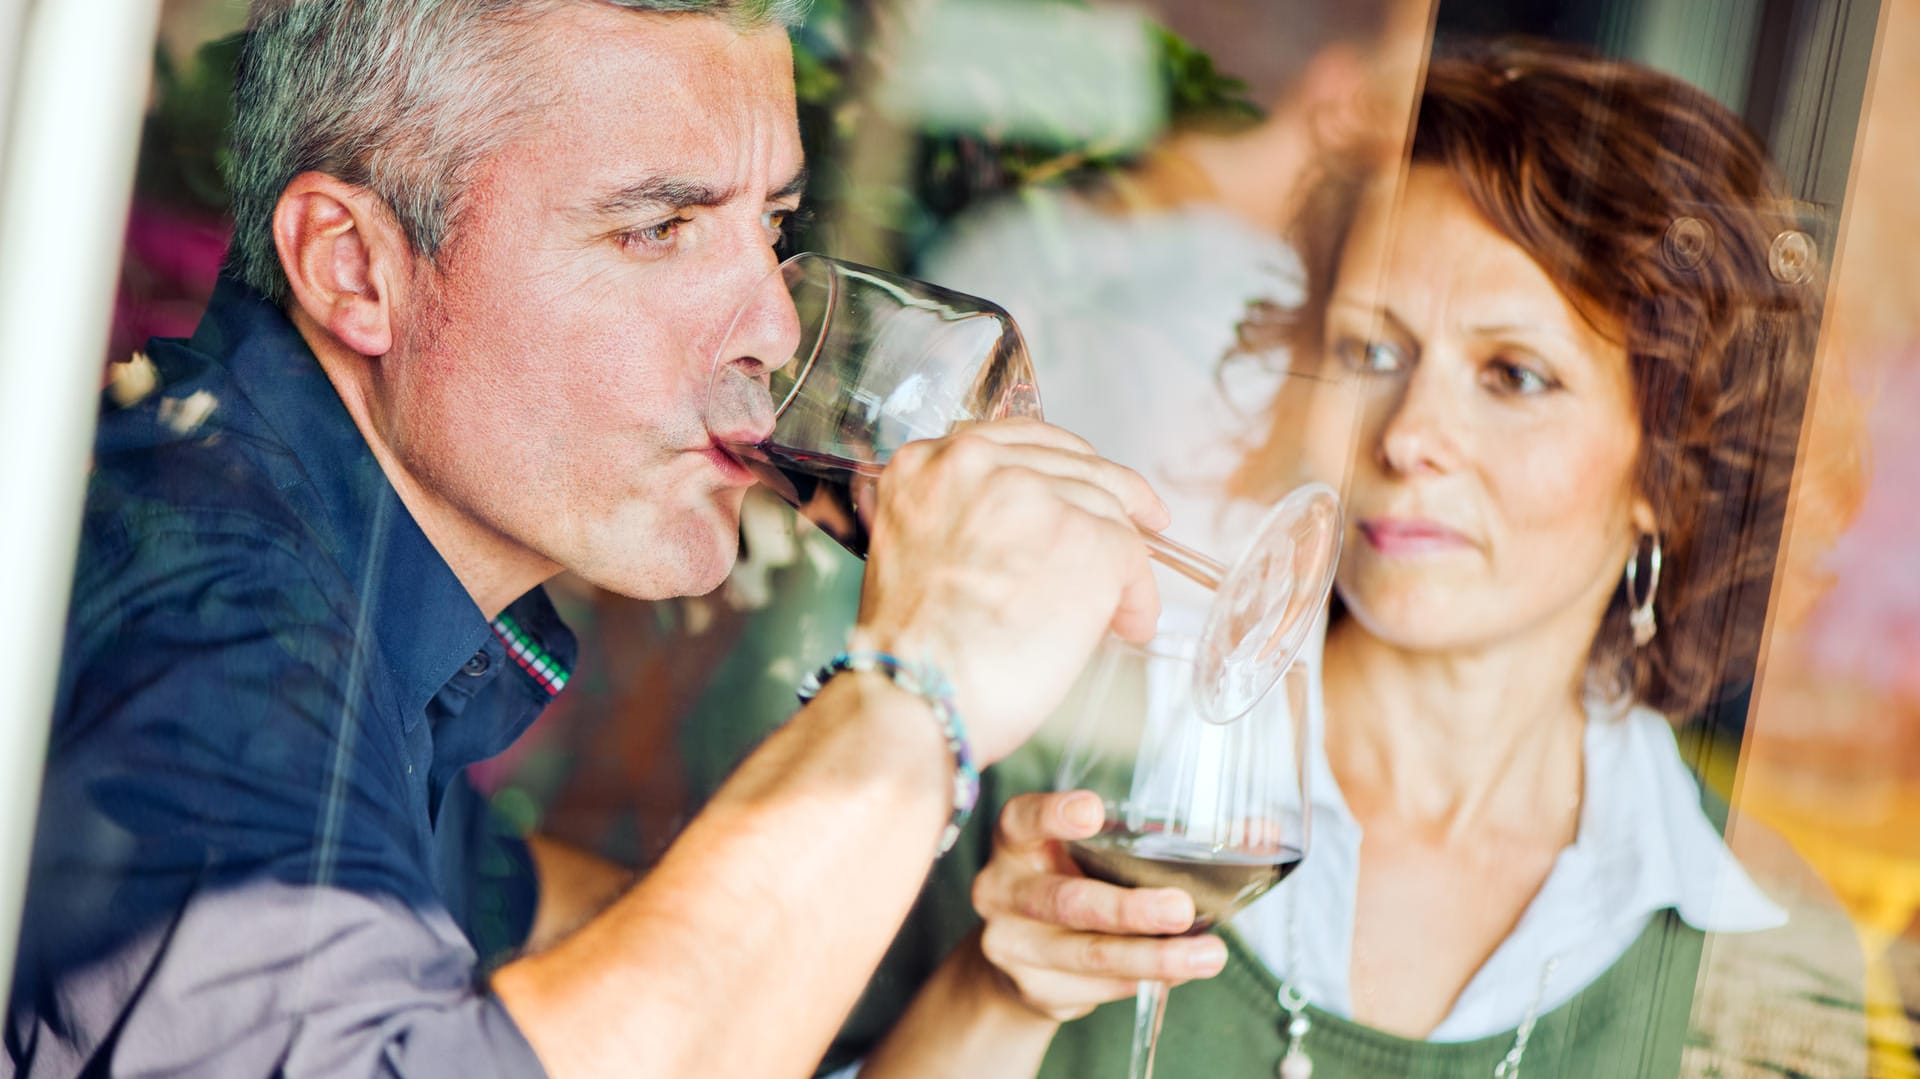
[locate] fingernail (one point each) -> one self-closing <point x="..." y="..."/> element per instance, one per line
<point x="1206" y="956"/>
<point x="1084" y="813"/>
<point x="1173" y="913"/>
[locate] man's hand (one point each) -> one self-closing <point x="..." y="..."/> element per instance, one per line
<point x="1068" y="943"/>
<point x="1002" y="554"/>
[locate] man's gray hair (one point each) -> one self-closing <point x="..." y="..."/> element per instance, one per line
<point x="402" y="97"/>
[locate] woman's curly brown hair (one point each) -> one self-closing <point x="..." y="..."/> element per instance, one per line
<point x="1656" y="211"/>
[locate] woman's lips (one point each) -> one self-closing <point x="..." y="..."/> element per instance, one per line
<point x="1397" y="536"/>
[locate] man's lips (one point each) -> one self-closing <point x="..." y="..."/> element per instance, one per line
<point x="728" y="465"/>
<point x="1407" y="536"/>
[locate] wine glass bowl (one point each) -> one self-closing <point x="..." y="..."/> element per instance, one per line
<point x="873" y="361"/>
<point x="830" y="367"/>
<point x="1217" y="810"/>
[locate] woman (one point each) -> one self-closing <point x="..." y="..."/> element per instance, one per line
<point x="1579" y="328"/>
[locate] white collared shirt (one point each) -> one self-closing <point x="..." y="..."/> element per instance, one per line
<point x="1644" y="844"/>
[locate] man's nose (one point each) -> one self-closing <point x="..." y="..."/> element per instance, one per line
<point x="761" y="339"/>
<point x="766" y="330"/>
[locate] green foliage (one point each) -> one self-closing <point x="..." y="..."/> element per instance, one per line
<point x="947" y="173"/>
<point x="1197" y="92"/>
<point x="183" y="149"/>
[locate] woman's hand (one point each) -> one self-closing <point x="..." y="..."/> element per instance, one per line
<point x="1065" y="942"/>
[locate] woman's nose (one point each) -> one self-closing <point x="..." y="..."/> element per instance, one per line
<point x="1422" y="429"/>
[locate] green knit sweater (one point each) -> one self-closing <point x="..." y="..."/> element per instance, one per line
<point x="1784" y="1002"/>
<point x="1630" y="1022"/>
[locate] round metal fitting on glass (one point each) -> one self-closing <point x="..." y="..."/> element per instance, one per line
<point x="1688" y="243"/>
<point x="1792" y="257"/>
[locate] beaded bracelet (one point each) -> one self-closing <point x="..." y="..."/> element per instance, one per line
<point x="926" y="682"/>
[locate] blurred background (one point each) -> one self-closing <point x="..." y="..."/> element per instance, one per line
<point x="993" y="145"/>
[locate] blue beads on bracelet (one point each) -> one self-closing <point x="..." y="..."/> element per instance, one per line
<point x="926" y="682"/>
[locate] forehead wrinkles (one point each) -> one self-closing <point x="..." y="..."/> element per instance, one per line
<point x="682" y="86"/>
<point x="753" y="111"/>
<point x="1432" y="259"/>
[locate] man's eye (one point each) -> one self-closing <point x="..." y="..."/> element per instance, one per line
<point x="1369" y="357"/>
<point x="782" y="225"/>
<point x="653" y="236"/>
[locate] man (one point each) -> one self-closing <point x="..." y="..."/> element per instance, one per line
<point x="484" y="255"/>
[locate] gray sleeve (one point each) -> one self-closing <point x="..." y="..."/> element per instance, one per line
<point x="267" y="978"/>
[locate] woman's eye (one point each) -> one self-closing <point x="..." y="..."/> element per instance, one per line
<point x="1518" y="379"/>
<point x="1370" y="357"/>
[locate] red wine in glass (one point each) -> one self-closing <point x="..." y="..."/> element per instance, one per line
<point x="834" y="493"/>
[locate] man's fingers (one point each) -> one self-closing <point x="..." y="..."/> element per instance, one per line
<point x="1137" y="615"/>
<point x="1029" y="432"/>
<point x="1049" y="449"/>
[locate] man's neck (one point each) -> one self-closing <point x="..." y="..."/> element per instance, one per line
<point x="493" y="568"/>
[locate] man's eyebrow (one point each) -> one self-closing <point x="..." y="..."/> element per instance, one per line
<point x="657" y="193"/>
<point x="674" y="193"/>
<point x="792" y="188"/>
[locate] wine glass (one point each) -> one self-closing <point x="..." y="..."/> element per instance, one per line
<point x="829" y="367"/>
<point x="1217" y="810"/>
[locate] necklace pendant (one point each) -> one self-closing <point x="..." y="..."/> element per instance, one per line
<point x="1296" y="1064"/>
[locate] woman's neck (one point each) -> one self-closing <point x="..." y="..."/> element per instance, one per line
<point x="1454" y="743"/>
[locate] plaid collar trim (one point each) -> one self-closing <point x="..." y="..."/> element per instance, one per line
<point x="535" y="660"/>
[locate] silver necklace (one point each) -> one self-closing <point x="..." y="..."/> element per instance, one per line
<point x="1296" y="1064"/>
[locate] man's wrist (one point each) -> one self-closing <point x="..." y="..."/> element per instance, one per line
<point x="929" y="685"/>
<point x="889" y="734"/>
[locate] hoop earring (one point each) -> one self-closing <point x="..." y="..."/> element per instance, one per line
<point x="1640" y="609"/>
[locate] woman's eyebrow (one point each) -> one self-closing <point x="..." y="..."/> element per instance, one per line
<point x="1525" y="331"/>
<point x="1370" y="310"/>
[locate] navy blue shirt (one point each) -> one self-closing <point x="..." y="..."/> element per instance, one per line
<point x="257" y="852"/>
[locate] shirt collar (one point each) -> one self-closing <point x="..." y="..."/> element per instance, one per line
<point x="426" y="624"/>
<point x="1644" y="832"/>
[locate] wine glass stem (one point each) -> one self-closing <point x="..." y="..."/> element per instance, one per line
<point x="1184" y="560"/>
<point x="1149" y="1008"/>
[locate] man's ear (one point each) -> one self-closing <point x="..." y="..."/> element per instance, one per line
<point x="344" y="256"/>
